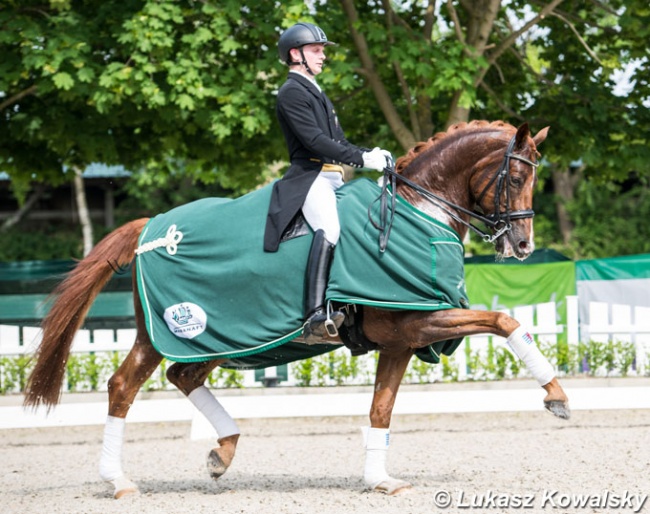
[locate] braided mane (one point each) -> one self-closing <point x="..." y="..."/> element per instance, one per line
<point x="419" y="148"/>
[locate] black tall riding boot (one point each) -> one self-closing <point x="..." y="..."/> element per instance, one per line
<point x="319" y="324"/>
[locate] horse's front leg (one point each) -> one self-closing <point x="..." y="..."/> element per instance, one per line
<point x="390" y="370"/>
<point x="190" y="379"/>
<point x="425" y="328"/>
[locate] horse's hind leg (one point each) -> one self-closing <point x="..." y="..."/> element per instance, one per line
<point x="123" y="386"/>
<point x="190" y="379"/>
<point x="390" y="370"/>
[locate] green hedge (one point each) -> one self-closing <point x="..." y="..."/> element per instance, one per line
<point x="90" y="372"/>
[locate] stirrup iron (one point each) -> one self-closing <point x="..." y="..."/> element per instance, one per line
<point x="330" y="327"/>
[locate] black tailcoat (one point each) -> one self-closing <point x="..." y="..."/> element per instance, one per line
<point x="313" y="135"/>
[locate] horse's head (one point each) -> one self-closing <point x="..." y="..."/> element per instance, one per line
<point x="480" y="170"/>
<point x="504" y="194"/>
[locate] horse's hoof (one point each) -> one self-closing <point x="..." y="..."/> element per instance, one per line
<point x="393" y="487"/>
<point x="558" y="408"/>
<point x="124" y="487"/>
<point x="126" y="492"/>
<point x="216" y="466"/>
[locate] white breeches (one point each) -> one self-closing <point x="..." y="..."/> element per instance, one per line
<point x="319" y="208"/>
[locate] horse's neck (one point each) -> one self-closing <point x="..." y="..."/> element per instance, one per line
<point x="452" y="186"/>
<point x="447" y="173"/>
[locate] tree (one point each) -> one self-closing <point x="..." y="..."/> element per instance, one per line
<point x="551" y="63"/>
<point x="169" y="88"/>
<point x="155" y="86"/>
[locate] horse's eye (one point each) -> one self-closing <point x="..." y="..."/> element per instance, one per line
<point x="516" y="181"/>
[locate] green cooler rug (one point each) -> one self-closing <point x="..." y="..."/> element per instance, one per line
<point x="209" y="291"/>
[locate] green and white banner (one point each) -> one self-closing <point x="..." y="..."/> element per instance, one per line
<point x="622" y="283"/>
<point x="615" y="281"/>
<point x="498" y="286"/>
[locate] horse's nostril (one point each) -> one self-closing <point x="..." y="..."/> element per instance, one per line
<point x="523" y="245"/>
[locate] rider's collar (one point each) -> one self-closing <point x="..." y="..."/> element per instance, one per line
<point x="310" y="79"/>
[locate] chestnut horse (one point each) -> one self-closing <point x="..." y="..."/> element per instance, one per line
<point x="479" y="169"/>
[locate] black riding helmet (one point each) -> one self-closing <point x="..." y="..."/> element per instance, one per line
<point x="297" y="36"/>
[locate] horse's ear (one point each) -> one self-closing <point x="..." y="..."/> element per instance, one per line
<point x="541" y="136"/>
<point x="522" y="136"/>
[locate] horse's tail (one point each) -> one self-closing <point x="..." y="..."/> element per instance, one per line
<point x="74" y="297"/>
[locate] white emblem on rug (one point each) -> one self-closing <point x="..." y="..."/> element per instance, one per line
<point x="186" y="320"/>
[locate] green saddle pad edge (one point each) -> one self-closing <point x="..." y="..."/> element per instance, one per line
<point x="283" y="350"/>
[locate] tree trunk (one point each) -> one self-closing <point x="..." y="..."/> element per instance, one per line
<point x="564" y="185"/>
<point x="82" y="209"/>
<point x="482" y="14"/>
<point x="402" y="133"/>
<point x="24" y="210"/>
<point x="457" y="114"/>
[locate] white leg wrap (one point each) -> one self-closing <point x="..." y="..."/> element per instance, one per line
<point x="110" y="463"/>
<point x="525" y="348"/>
<point x="214" y="412"/>
<point x="376" y="441"/>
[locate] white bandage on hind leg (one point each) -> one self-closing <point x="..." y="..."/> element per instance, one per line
<point x="110" y="463"/>
<point x="214" y="412"/>
<point x="376" y="441"/>
<point x="525" y="348"/>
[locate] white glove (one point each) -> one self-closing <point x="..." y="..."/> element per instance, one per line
<point x="375" y="159"/>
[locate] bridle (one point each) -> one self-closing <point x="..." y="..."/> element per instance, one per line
<point x="499" y="221"/>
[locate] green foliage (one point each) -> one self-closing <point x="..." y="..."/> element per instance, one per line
<point x="607" y="357"/>
<point x="182" y="92"/>
<point x="602" y="211"/>
<point x="323" y="370"/>
<point x="87" y="372"/>
<point x="625" y="352"/>
<point x="158" y="380"/>
<point x="302" y="372"/>
<point x="226" y="379"/>
<point x="420" y="372"/>
<point x="333" y="368"/>
<point x="90" y="372"/>
<point x="51" y="242"/>
<point x="495" y="363"/>
<point x="474" y="364"/>
<point x="147" y="84"/>
<point x="343" y="367"/>
<point x="506" y="364"/>
<point x="14" y="372"/>
<point x="449" y="368"/>
<point x="565" y="356"/>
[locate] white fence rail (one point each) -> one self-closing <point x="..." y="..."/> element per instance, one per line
<point x="16" y="340"/>
<point x="615" y="323"/>
<point x="620" y="323"/>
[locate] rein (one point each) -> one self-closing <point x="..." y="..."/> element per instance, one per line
<point x="498" y="221"/>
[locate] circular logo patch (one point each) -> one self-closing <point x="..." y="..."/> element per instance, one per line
<point x="186" y="320"/>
